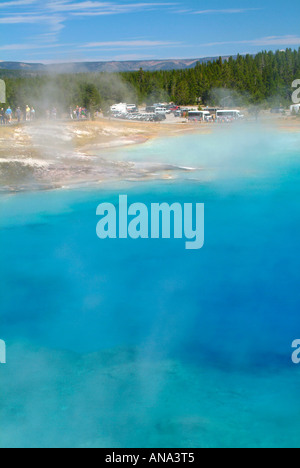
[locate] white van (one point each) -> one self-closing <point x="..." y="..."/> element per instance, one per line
<point x="119" y="108"/>
<point x="229" y="115"/>
<point x="295" y="109"/>
<point x="199" y="116"/>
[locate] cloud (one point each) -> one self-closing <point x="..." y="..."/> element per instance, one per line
<point x="227" y="11"/>
<point x="17" y="3"/>
<point x="121" y="44"/>
<point x="95" y="8"/>
<point x="11" y="47"/>
<point x="50" y="17"/>
<point x="55" y="13"/>
<point x="27" y="19"/>
<point x="53" y="25"/>
<point x="289" y="40"/>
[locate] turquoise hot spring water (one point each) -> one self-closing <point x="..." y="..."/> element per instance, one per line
<point x="141" y="343"/>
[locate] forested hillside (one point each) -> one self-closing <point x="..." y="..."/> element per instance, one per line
<point x="264" y="78"/>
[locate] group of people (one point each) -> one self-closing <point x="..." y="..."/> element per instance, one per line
<point x="28" y="114"/>
<point x="80" y="113"/>
<point x="6" y="116"/>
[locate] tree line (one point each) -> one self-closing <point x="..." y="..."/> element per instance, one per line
<point x="263" y="79"/>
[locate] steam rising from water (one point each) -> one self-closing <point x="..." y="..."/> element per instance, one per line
<point x="50" y="155"/>
<point x="142" y="344"/>
<point x="114" y="399"/>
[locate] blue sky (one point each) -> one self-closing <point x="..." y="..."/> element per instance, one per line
<point x="81" y="30"/>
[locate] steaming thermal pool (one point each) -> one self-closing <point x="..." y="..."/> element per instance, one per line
<point x="141" y="343"/>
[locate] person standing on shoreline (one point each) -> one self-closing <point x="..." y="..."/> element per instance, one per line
<point x="27" y="114"/>
<point x="8" y="115"/>
<point x="19" y="114"/>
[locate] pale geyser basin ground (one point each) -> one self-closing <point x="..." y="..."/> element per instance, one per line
<point x="142" y="343"/>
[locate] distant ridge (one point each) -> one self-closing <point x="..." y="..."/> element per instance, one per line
<point x="110" y="67"/>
